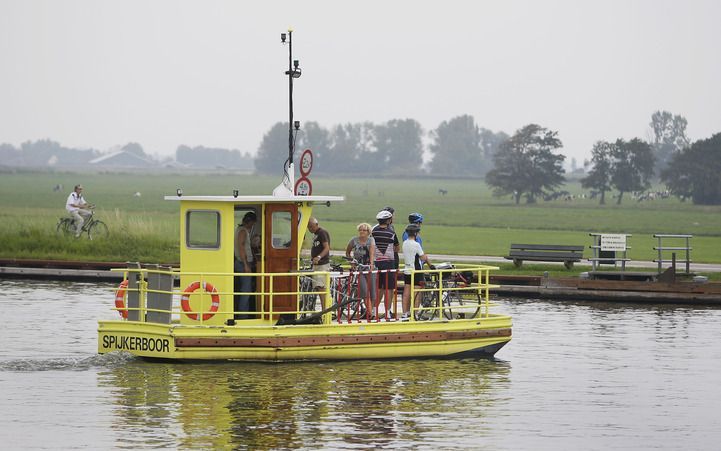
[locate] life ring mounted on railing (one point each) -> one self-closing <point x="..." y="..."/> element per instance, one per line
<point x="120" y="299"/>
<point x="214" y="300"/>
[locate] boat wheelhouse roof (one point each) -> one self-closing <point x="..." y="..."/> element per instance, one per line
<point x="260" y="199"/>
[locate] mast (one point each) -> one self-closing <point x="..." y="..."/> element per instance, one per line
<point x="292" y="73"/>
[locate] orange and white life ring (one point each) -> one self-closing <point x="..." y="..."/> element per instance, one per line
<point x="214" y="298"/>
<point x="120" y="299"/>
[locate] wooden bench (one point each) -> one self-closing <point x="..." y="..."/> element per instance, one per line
<point x="545" y="253"/>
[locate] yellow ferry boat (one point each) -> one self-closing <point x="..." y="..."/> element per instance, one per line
<point x="199" y="320"/>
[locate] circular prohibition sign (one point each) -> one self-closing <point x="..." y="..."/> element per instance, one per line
<point x="303" y="187"/>
<point x="306" y="162"/>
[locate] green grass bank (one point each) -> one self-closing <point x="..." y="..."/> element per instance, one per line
<point x="466" y="221"/>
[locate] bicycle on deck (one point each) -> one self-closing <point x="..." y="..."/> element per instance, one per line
<point x="343" y="294"/>
<point x="458" y="298"/>
<point x="94" y="228"/>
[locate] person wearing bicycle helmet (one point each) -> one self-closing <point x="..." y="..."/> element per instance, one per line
<point x="386" y="248"/>
<point x="417" y="219"/>
<point x="414" y="258"/>
<point x="78" y="208"/>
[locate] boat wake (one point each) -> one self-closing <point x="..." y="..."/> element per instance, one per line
<point x="110" y="360"/>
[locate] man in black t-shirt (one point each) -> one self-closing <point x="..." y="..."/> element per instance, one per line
<point x="320" y="254"/>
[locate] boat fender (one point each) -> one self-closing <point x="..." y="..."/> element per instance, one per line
<point x="214" y="298"/>
<point x="120" y="299"/>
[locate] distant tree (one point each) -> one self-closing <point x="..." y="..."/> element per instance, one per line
<point x="398" y="144"/>
<point x="696" y="172"/>
<point x="345" y="145"/>
<point x="9" y="155"/>
<point x="314" y="137"/>
<point x="526" y="165"/>
<point x="456" y="147"/>
<point x="273" y="150"/>
<point x="490" y="143"/>
<point x="599" y="177"/>
<point x="669" y="137"/>
<point x="211" y="157"/>
<point x="47" y="152"/>
<point x="632" y="166"/>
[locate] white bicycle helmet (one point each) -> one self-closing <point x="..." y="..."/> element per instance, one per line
<point x="384" y="214"/>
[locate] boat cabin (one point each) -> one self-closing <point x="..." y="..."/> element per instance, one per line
<point x="208" y="234"/>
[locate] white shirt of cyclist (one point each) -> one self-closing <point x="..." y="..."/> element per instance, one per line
<point x="412" y="253"/>
<point x="74" y="198"/>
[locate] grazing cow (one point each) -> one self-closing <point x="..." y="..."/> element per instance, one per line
<point x="442" y="191"/>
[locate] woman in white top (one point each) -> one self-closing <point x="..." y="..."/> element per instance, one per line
<point x="363" y="248"/>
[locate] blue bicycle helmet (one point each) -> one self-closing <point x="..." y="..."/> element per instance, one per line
<point x="415" y="218"/>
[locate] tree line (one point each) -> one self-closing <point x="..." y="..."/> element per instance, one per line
<point x="459" y="147"/>
<point x="526" y="165"/>
<point x="49" y="153"/>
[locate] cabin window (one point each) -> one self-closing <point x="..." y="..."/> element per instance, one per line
<point x="281" y="229"/>
<point x="202" y="229"/>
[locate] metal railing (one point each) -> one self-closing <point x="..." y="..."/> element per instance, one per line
<point x="148" y="294"/>
<point x="686" y="249"/>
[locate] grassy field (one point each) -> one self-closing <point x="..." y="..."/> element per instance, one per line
<point x="466" y="221"/>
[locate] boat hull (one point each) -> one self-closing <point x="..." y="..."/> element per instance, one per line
<point x="261" y="342"/>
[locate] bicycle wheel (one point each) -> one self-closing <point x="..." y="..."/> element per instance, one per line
<point x="464" y="304"/>
<point x="66" y="227"/>
<point x="307" y="301"/>
<point x="450" y="298"/>
<point x="352" y="306"/>
<point x="97" y="230"/>
<point x="426" y="310"/>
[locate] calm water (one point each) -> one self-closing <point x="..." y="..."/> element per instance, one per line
<point x="575" y="376"/>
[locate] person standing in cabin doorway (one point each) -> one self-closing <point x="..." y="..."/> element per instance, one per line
<point x="244" y="264"/>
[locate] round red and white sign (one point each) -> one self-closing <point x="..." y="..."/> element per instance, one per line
<point x="303" y="187"/>
<point x="306" y="162"/>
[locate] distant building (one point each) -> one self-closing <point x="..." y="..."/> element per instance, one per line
<point x="122" y="159"/>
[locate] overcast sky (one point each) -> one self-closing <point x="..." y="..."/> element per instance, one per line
<point x="92" y="73"/>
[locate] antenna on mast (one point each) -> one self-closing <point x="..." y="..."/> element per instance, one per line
<point x="287" y="185"/>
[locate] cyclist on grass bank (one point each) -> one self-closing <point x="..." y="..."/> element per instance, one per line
<point x="78" y="208"/>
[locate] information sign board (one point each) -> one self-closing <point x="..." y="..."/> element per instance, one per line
<point x="613" y="242"/>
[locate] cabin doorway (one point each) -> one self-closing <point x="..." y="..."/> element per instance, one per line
<point x="250" y="245"/>
<point x="281" y="255"/>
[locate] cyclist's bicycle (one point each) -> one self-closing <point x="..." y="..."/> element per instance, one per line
<point x="458" y="299"/>
<point x="341" y="292"/>
<point x="306" y="299"/>
<point x="348" y="291"/>
<point x="95" y="228"/>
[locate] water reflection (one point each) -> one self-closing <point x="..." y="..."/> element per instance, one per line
<point x="338" y="404"/>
